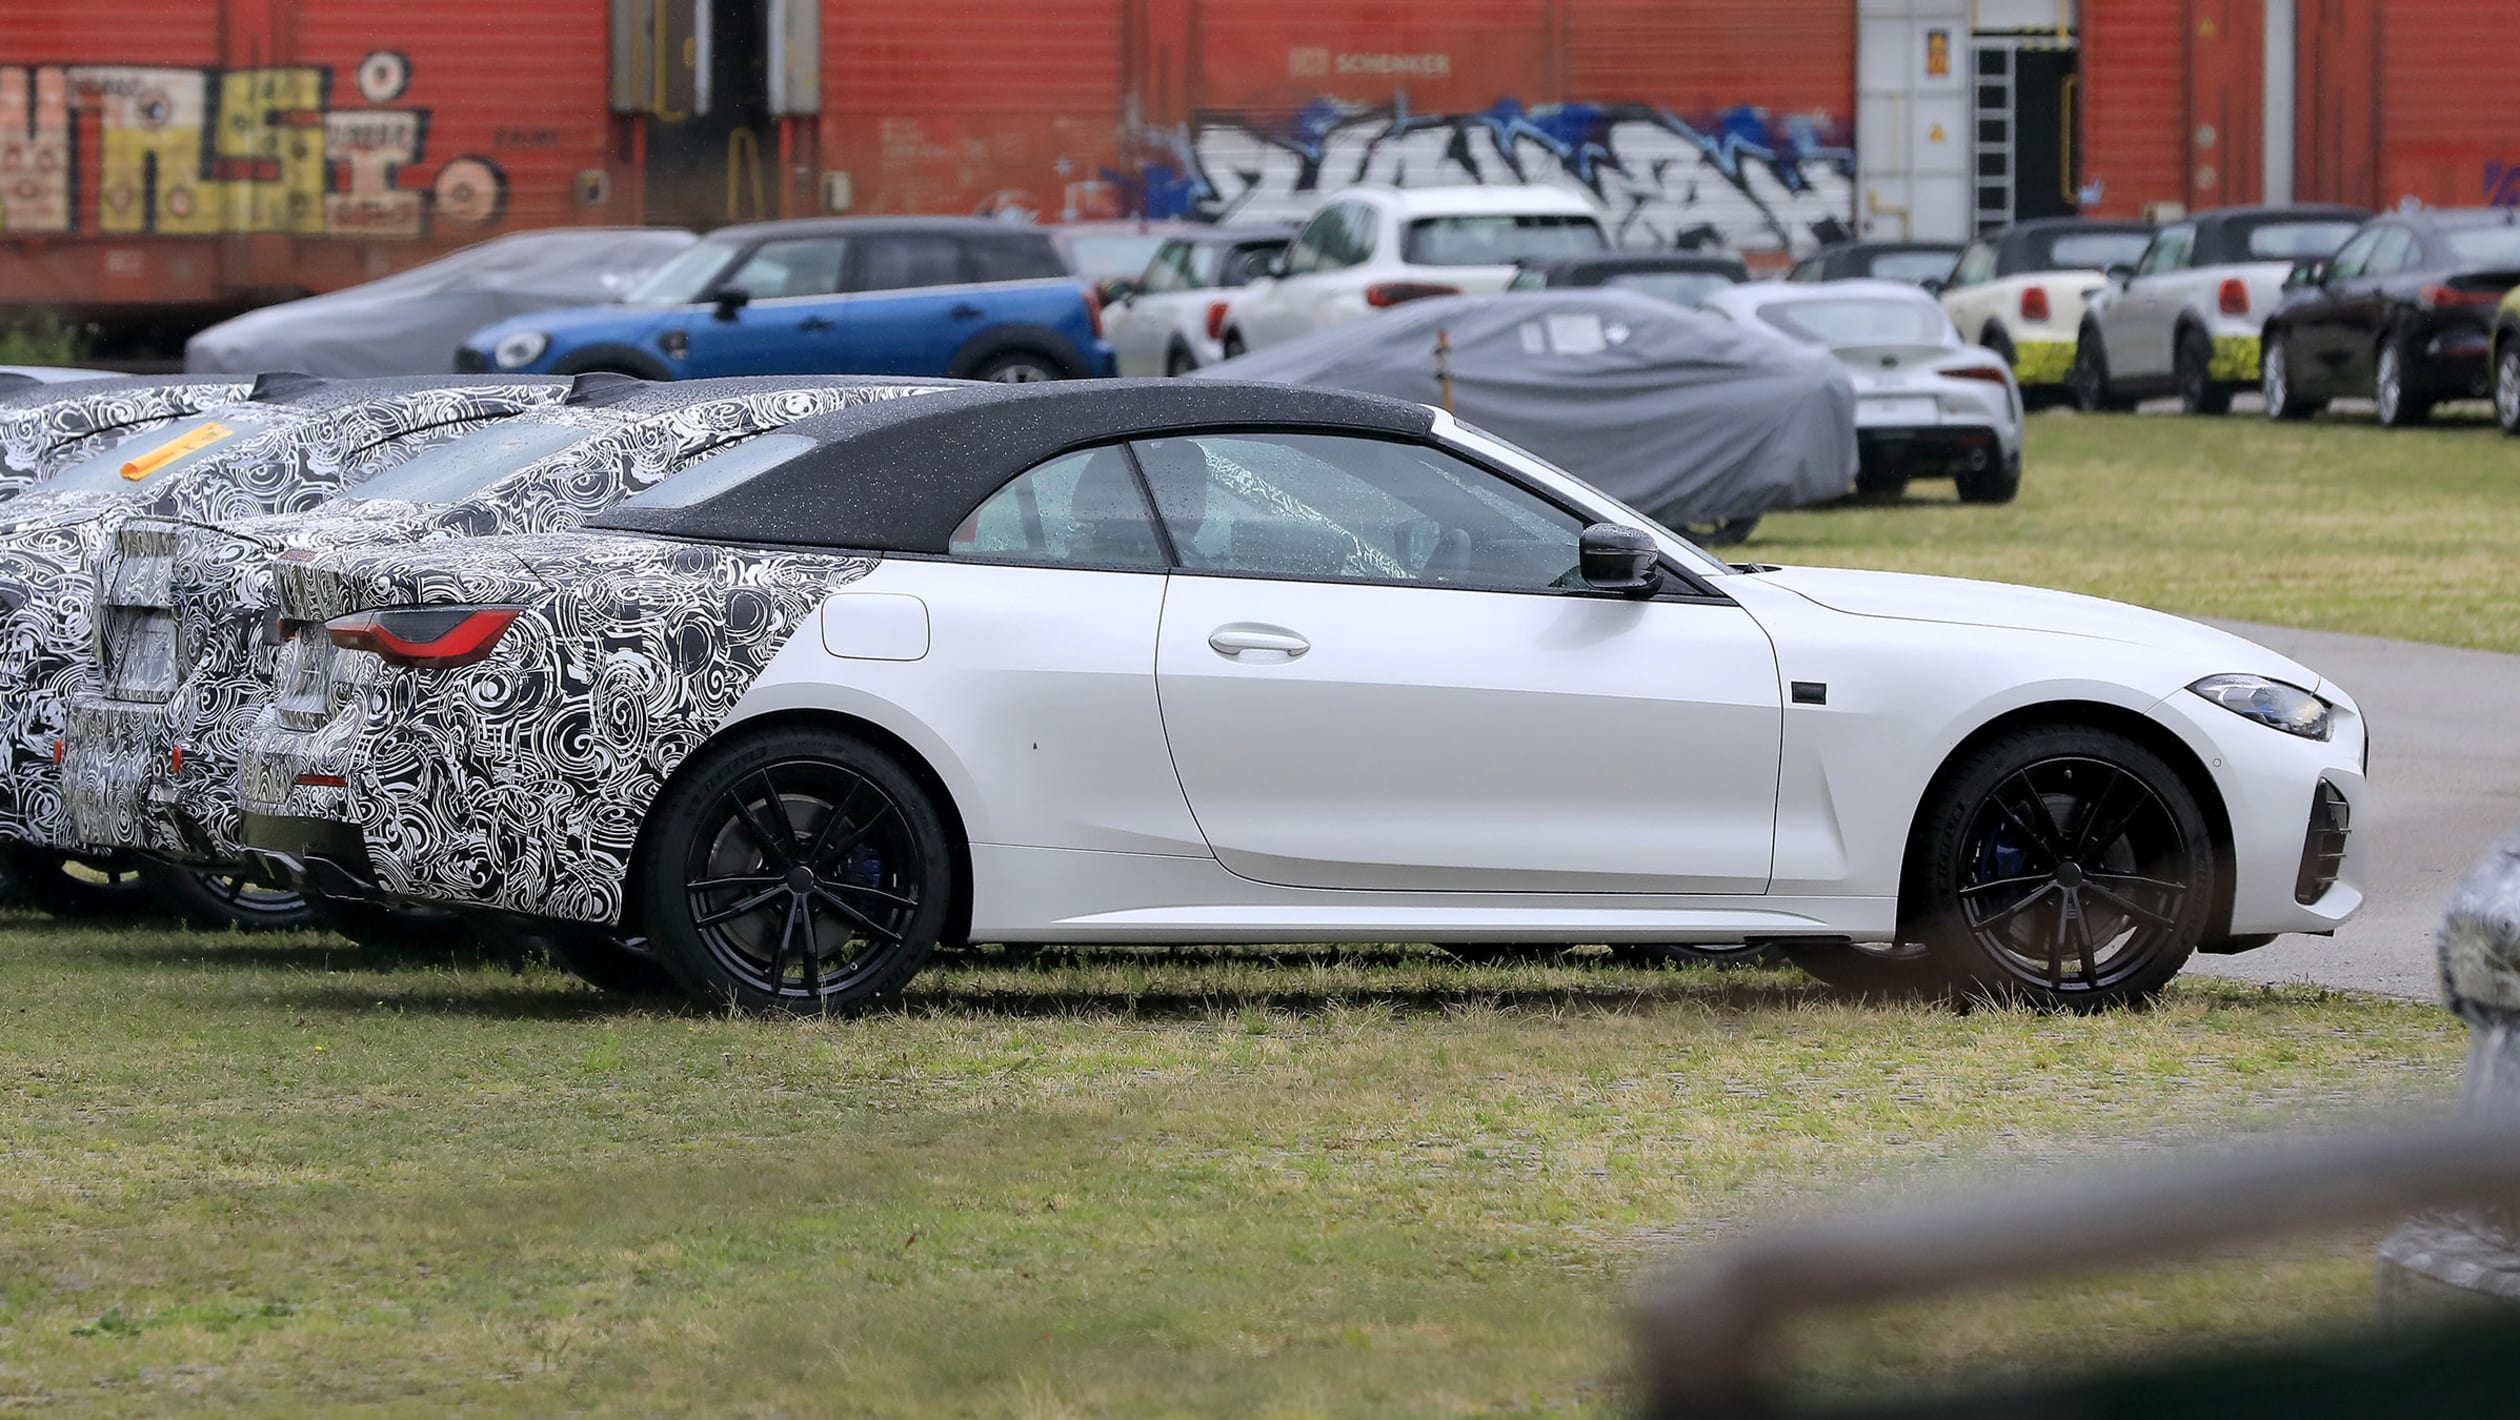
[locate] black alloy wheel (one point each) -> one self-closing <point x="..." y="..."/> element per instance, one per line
<point x="78" y="886"/>
<point x="802" y="871"/>
<point x="2399" y="406"/>
<point x="1019" y="367"/>
<point x="2088" y="380"/>
<point x="1178" y="362"/>
<point x="2198" y="393"/>
<point x="225" y="897"/>
<point x="2070" y="868"/>
<point x="2507" y="385"/>
<point x="2275" y="384"/>
<point x="1233" y="345"/>
<point x="1998" y="482"/>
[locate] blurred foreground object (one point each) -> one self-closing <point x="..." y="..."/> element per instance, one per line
<point x="410" y="323"/>
<point x="2463" y="1258"/>
<point x="1709" y="1333"/>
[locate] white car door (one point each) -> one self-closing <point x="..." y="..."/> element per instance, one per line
<point x="1378" y="670"/>
<point x="2146" y="314"/>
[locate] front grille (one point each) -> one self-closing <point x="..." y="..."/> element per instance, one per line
<point x="2323" y="847"/>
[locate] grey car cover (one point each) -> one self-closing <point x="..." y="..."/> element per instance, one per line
<point x="1683" y="415"/>
<point x="410" y="322"/>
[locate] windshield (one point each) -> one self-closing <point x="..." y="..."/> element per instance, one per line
<point x="1122" y="255"/>
<point x="684" y="280"/>
<point x="150" y="459"/>
<point x="1686" y="288"/>
<point x="1501" y="239"/>
<point x="462" y="467"/>
<point x="723" y="467"/>
<point x="2096" y="251"/>
<point x="1479" y="440"/>
<point x="2486" y="246"/>
<point x="2288" y="241"/>
<point x="1912" y="265"/>
<point x="1855" y="320"/>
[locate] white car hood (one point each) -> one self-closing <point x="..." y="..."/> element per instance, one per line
<point x="1960" y="602"/>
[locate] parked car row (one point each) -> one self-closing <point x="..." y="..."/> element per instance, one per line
<point x="763" y="689"/>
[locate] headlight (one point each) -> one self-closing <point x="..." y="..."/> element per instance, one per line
<point x="2288" y="708"/>
<point x="522" y="348"/>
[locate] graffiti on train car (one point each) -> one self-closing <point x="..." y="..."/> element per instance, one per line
<point x="206" y="152"/>
<point x="1740" y="178"/>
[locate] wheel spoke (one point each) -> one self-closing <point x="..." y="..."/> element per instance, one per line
<point x="724" y="914"/>
<point x="2094" y="836"/>
<point x="2024" y="905"/>
<point x="778" y="953"/>
<point x="2082" y="943"/>
<point x="804" y="910"/>
<point x="2139" y="881"/>
<point x="2134" y="909"/>
<point x="739" y="880"/>
<point x="834" y="852"/>
<point x="767" y="822"/>
<point x="2022" y="880"/>
<point x="831" y="824"/>
<point x="2065" y="915"/>
<point x="2037" y="826"/>
<point x="864" y="922"/>
<point x="879" y="894"/>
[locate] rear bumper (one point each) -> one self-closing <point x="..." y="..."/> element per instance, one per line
<point x="1934" y="451"/>
<point x="2042" y="362"/>
<point x="319" y="855"/>
<point x="2235" y="360"/>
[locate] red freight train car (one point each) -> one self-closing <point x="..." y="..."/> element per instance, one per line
<point x="182" y="158"/>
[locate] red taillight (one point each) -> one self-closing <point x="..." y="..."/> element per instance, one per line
<point x="2034" y="303"/>
<point x="2235" y="296"/>
<point x="1989" y="373"/>
<point x="1093" y="310"/>
<point x="1393" y="293"/>
<point x="323" y="781"/>
<point x="1216" y="320"/>
<point x="2453" y="296"/>
<point x="438" y="636"/>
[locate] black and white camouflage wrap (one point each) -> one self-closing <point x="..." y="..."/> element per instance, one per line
<point x="206" y="691"/>
<point x="519" y="783"/>
<point x="37" y="438"/>
<point x="299" y="455"/>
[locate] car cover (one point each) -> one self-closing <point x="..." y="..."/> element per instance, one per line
<point x="410" y="323"/>
<point x="1683" y="415"/>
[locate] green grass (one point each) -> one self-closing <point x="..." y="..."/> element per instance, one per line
<point x="42" y="341"/>
<point x="2337" y="524"/>
<point x="268" y="1175"/>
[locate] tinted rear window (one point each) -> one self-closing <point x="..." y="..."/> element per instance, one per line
<point x="1017" y="256"/>
<point x="2084" y="251"/>
<point x="728" y="466"/>
<point x="459" y="468"/>
<point x="1499" y="239"/>
<point x="2291" y="241"/>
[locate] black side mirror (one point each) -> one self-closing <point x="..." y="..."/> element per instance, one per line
<point x="1119" y="291"/>
<point x="1614" y="558"/>
<point x="2120" y="274"/>
<point x="729" y="300"/>
<point x="1934" y="285"/>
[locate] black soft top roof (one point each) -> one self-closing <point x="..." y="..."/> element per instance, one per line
<point x="635" y="397"/>
<point x="1570" y="270"/>
<point x="900" y="475"/>
<point x="2222" y="234"/>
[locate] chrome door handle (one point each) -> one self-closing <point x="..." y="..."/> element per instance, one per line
<point x="1243" y="638"/>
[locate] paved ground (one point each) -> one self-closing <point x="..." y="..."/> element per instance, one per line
<point x="2445" y="783"/>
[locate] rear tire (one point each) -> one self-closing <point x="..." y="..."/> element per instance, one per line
<point x="1233" y="345"/>
<point x="1999" y="483"/>
<point x="1881" y="484"/>
<point x="212" y="899"/>
<point x="2507" y="386"/>
<point x="78" y="887"/>
<point x="800" y="870"/>
<point x="1178" y="362"/>
<point x="2194" y="365"/>
<point x="1018" y="367"/>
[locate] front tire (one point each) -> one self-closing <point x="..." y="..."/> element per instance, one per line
<point x="2400" y="407"/>
<point x="2198" y="394"/>
<point x="2275" y="385"/>
<point x="1178" y="362"/>
<point x="2089" y="378"/>
<point x="1997" y="483"/>
<point x="2507" y="386"/>
<point x="2067" y="868"/>
<point x="801" y="871"/>
<point x="213" y="898"/>
<point x="1233" y="345"/>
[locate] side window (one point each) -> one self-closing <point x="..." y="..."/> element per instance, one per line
<point x="1807" y="269"/>
<point x="1083" y="509"/>
<point x="894" y="263"/>
<point x="2354" y="256"/>
<point x="1975" y="265"/>
<point x="796" y="266"/>
<point x="1304" y="253"/>
<point x="2395" y="253"/>
<point x="1165" y="272"/>
<point x="1361" y="222"/>
<point x="1016" y="256"/>
<point x="1335" y="246"/>
<point x="1240" y="265"/>
<point x="2169" y="251"/>
<point x="1338" y="509"/>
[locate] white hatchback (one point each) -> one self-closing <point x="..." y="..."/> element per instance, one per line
<point x="1369" y="248"/>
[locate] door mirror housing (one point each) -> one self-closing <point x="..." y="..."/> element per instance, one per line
<point x="2120" y="274"/>
<point x="1119" y="291"/>
<point x="1620" y="559"/>
<point x="727" y="300"/>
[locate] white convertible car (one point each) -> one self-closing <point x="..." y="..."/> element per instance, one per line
<point x="1198" y="661"/>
